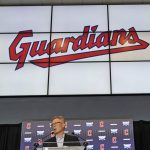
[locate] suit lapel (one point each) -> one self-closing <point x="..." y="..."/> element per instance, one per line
<point x="65" y="140"/>
<point x="54" y="142"/>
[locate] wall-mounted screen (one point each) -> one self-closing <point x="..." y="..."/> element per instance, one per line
<point x="74" y="50"/>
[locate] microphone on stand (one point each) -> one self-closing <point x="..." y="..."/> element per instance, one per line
<point x="48" y="135"/>
<point x="36" y="144"/>
<point x="85" y="143"/>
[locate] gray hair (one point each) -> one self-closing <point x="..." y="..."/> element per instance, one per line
<point x="58" y="117"/>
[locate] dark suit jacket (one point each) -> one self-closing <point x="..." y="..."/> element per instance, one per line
<point x="69" y="140"/>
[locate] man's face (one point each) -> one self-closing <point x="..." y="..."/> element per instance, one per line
<point x="58" y="126"/>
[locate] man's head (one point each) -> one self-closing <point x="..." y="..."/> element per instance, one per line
<point x="58" y="124"/>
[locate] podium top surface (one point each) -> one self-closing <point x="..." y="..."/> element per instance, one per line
<point x="64" y="148"/>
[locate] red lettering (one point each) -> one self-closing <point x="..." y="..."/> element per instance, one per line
<point x="42" y="48"/>
<point x="57" y="45"/>
<point x="21" y="56"/>
<point x="86" y="40"/>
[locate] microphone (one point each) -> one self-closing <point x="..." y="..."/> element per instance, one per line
<point x="85" y="142"/>
<point x="36" y="144"/>
<point x="47" y="135"/>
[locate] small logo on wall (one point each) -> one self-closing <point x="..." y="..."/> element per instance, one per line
<point x="127" y="146"/>
<point x="40" y="132"/>
<point x="77" y="131"/>
<point x="114" y="140"/>
<point x="28" y="125"/>
<point x="27" y="140"/>
<point x="102" y="138"/>
<point x="27" y="147"/>
<point x="126" y="132"/>
<point x="89" y="132"/>
<point x="101" y="124"/>
<point x="102" y="147"/>
<point x="125" y="123"/>
<point x="114" y="131"/>
<point x="89" y="147"/>
<point x="89" y="124"/>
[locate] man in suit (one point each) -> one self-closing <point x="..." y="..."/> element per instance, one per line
<point x="60" y="139"/>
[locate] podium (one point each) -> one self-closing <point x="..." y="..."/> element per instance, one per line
<point x="64" y="148"/>
<point x="71" y="145"/>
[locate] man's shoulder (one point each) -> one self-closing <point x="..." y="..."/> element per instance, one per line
<point x="51" y="139"/>
<point x="50" y="142"/>
<point x="72" y="140"/>
<point x="71" y="137"/>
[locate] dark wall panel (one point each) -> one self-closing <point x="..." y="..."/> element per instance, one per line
<point x="19" y="109"/>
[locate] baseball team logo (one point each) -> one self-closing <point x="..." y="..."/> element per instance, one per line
<point x="88" y="39"/>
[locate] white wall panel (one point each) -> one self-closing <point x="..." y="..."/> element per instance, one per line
<point x="80" y="78"/>
<point x="74" y="18"/>
<point x="30" y="80"/>
<point x="15" y="19"/>
<point x="130" y="77"/>
<point x="127" y="16"/>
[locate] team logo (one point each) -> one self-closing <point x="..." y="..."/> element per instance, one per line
<point x="77" y="131"/>
<point x="57" y="53"/>
<point x="114" y="131"/>
<point x="102" y="138"/>
<point x="40" y="132"/>
<point x="26" y="140"/>
<point x="89" y="124"/>
<point x="114" y="140"/>
<point x="89" y="132"/>
<point x="101" y="124"/>
<point x="127" y="146"/>
<point x="89" y="147"/>
<point x="102" y="147"/>
<point x="126" y="132"/>
<point x="28" y="125"/>
<point x="27" y="147"/>
<point x="126" y="123"/>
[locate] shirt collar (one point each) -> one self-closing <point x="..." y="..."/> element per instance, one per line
<point x="60" y="137"/>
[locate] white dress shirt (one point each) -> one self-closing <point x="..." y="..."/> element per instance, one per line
<point x="60" y="140"/>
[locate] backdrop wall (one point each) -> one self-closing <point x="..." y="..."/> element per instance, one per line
<point x="15" y="110"/>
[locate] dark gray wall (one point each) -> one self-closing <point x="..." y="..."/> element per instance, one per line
<point x="62" y="2"/>
<point x="16" y="110"/>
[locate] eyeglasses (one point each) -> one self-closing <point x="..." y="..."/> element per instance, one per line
<point x="55" y="123"/>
